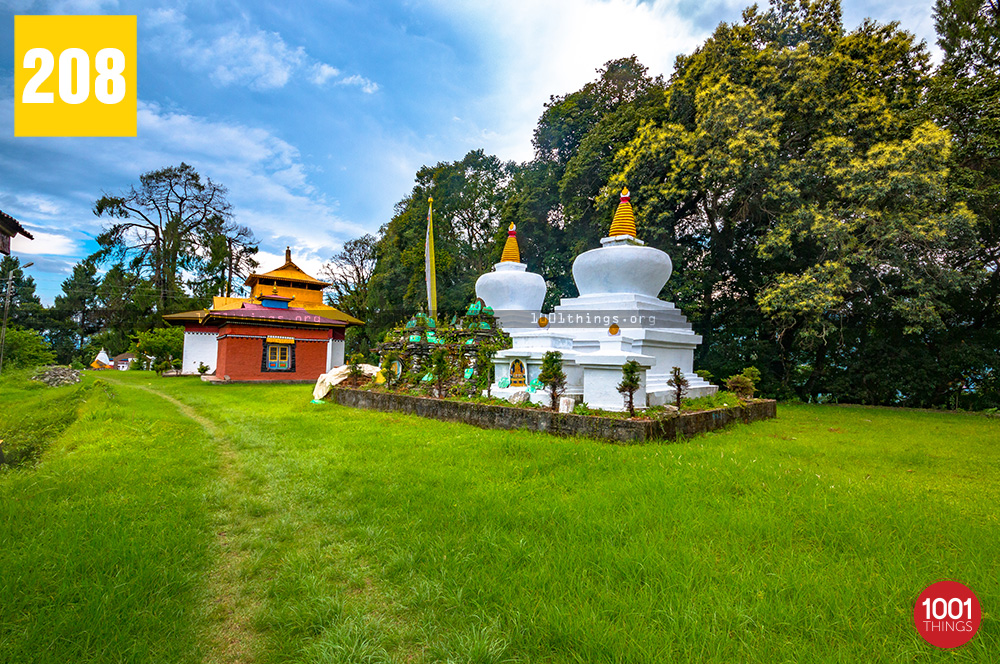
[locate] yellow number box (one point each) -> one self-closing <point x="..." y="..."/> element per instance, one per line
<point x="74" y="76"/>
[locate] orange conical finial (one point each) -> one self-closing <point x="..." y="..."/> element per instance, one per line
<point x="511" y="254"/>
<point x="624" y="221"/>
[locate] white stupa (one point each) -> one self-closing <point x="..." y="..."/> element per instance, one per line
<point x="616" y="318"/>
<point x="514" y="294"/>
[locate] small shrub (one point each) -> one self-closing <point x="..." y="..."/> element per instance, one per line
<point x="705" y="375"/>
<point x="387" y="372"/>
<point x="552" y="376"/>
<point x="741" y="385"/>
<point x="354" y="371"/>
<point x="680" y="385"/>
<point x="202" y="368"/>
<point x="630" y="384"/>
<point x="440" y="369"/>
<point x="753" y="373"/>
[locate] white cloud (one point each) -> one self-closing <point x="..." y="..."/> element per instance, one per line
<point x="37" y="205"/>
<point x="242" y="55"/>
<point x="540" y="48"/>
<point x="311" y="264"/>
<point x="322" y="72"/>
<point x="368" y="87"/>
<point x="44" y="244"/>
<point x="267" y="179"/>
<point x="546" y="47"/>
<point x="260" y="60"/>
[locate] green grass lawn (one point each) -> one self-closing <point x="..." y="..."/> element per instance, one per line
<point x="173" y="521"/>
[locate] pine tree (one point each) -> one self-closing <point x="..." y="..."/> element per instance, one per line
<point x="552" y="376"/>
<point x="680" y="385"/>
<point x="630" y="384"/>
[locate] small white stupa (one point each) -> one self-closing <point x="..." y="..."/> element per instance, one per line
<point x="617" y="317"/>
<point x="514" y="294"/>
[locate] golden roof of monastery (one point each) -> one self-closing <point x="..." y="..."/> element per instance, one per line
<point x="303" y="292"/>
<point x="511" y="252"/>
<point x="220" y="303"/>
<point x="288" y="272"/>
<point x="624" y="220"/>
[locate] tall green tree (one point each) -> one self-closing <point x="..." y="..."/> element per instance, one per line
<point x="126" y="302"/>
<point x="802" y="193"/>
<point x="969" y="34"/>
<point x="965" y="99"/>
<point x="157" y="228"/>
<point x="25" y="309"/>
<point x="76" y="312"/>
<point x="350" y="272"/>
<point x="555" y="201"/>
<point x="468" y="197"/>
<point x="224" y="258"/>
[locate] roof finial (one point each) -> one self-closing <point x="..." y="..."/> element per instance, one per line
<point x="511" y="252"/>
<point x="624" y="220"/>
<point x="288" y="254"/>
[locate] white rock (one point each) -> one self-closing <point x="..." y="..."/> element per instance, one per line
<point x="566" y="404"/>
<point x="519" y="398"/>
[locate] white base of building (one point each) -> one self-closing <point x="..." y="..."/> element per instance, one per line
<point x="199" y="348"/>
<point x="334" y="353"/>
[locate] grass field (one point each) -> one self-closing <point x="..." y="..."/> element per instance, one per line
<point x="172" y="521"/>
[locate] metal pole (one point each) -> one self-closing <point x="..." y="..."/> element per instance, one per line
<point x="6" y="306"/>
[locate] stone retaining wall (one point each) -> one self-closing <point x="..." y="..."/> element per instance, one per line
<point x="489" y="416"/>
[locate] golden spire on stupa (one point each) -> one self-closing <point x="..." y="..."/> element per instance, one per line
<point x="624" y="220"/>
<point x="511" y="254"/>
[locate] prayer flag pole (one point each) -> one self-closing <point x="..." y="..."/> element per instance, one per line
<point x="430" y="275"/>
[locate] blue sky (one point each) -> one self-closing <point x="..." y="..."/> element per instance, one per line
<point x="316" y="115"/>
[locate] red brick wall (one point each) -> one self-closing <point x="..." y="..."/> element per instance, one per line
<point x="240" y="358"/>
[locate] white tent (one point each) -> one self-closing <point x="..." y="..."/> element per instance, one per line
<point x="102" y="361"/>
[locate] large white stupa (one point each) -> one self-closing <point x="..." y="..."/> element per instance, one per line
<point x="616" y="318"/>
<point x="514" y="294"/>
